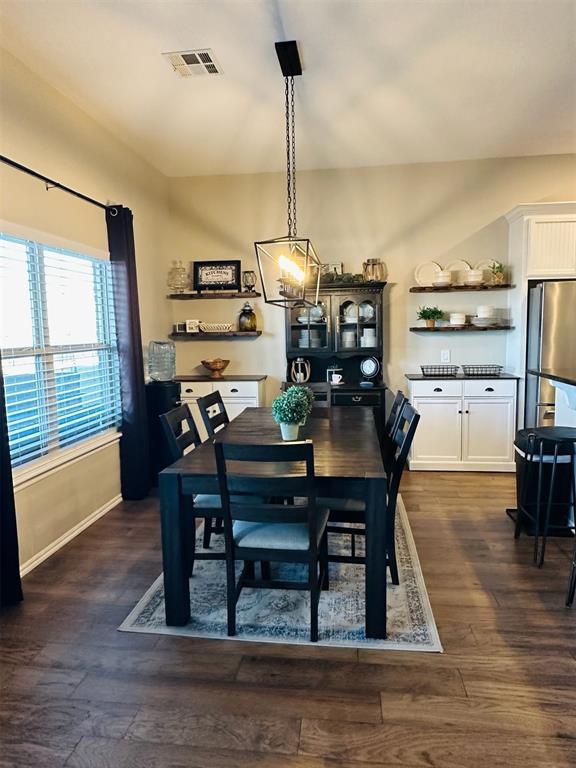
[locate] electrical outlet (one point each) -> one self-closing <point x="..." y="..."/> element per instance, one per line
<point x="444" y="355"/>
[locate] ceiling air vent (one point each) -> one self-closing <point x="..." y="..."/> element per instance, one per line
<point x="187" y="63"/>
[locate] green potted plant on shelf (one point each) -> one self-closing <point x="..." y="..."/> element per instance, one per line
<point x="497" y="270"/>
<point x="289" y="411"/>
<point x="305" y="395"/>
<point x="430" y="315"/>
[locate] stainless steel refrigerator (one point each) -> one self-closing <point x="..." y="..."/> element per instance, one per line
<point x="551" y="343"/>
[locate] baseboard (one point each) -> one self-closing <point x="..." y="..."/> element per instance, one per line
<point x="44" y="554"/>
<point x="448" y="466"/>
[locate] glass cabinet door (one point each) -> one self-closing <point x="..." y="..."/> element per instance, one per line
<point x="309" y="328"/>
<point x="357" y="318"/>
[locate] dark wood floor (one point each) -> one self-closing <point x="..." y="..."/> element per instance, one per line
<point x="76" y="692"/>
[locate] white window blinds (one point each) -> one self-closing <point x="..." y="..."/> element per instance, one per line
<point x="58" y="341"/>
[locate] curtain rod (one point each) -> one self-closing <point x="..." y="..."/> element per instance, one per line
<point x="51" y="183"/>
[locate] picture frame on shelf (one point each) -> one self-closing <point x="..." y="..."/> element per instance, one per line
<point x="221" y="275"/>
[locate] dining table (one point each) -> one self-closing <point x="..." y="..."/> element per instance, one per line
<point x="347" y="464"/>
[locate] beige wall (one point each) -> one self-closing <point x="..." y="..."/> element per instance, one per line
<point x="59" y="503"/>
<point x="41" y="129"/>
<point x="402" y="214"/>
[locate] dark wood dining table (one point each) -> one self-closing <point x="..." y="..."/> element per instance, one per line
<point x="348" y="464"/>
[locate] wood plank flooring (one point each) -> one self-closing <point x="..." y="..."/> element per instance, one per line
<point x="75" y="692"/>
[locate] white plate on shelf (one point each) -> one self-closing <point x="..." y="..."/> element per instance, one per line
<point x="459" y="269"/>
<point x="425" y="273"/>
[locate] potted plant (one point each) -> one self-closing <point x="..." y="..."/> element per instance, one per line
<point x="305" y="395"/>
<point x="497" y="269"/>
<point x="430" y="315"/>
<point x="289" y="411"/>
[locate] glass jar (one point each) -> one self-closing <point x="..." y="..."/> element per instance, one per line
<point x="162" y="360"/>
<point x="177" y="280"/>
<point x="247" y="318"/>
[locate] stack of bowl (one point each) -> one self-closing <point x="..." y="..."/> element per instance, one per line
<point x="475" y="277"/>
<point x="368" y="338"/>
<point x="309" y="338"/>
<point x="442" y="278"/>
<point x="485" y="317"/>
<point x="457" y="319"/>
<point x="348" y="339"/>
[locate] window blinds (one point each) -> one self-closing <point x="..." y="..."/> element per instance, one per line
<point x="58" y="340"/>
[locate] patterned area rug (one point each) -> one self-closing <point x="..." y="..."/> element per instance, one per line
<point x="282" y="616"/>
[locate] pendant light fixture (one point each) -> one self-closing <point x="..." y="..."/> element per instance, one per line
<point x="289" y="267"/>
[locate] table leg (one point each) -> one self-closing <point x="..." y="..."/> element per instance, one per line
<point x="376" y="558"/>
<point x="176" y="586"/>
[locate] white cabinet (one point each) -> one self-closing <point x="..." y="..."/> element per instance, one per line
<point x="236" y="396"/>
<point x="438" y="436"/>
<point x="488" y="429"/>
<point x="551" y="246"/>
<point x="465" y="425"/>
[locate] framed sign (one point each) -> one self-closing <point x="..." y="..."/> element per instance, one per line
<point x="216" y="275"/>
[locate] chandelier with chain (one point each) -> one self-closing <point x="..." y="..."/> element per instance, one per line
<point x="289" y="267"/>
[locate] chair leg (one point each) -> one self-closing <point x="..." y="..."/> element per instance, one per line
<point x="207" y="532"/>
<point x="314" y="597"/>
<point x="324" y="562"/>
<point x="249" y="571"/>
<point x="538" y="504"/>
<point x="231" y="595"/>
<point x="191" y="536"/>
<point x="571" y="583"/>
<point x="393" y="564"/>
<point x="265" y="571"/>
<point x="548" y="508"/>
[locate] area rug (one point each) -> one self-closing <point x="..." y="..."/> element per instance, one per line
<point x="282" y="616"/>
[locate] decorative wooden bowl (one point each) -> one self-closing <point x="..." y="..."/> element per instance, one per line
<point x="216" y="367"/>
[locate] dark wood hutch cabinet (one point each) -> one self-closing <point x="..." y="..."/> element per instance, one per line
<point x="345" y="327"/>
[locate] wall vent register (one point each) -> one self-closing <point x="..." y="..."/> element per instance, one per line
<point x="198" y="62"/>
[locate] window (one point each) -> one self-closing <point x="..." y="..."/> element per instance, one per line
<point x="58" y="341"/>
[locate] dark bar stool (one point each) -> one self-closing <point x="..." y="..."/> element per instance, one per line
<point x="543" y="446"/>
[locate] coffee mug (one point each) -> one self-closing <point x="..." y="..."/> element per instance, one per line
<point x="336" y="378"/>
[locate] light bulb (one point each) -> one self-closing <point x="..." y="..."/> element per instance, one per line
<point x="287" y="265"/>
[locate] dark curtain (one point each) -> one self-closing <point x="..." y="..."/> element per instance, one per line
<point x="134" y="456"/>
<point x="10" y="584"/>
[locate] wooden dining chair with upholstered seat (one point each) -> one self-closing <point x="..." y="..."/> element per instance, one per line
<point x="181" y="434"/>
<point x="290" y="528"/>
<point x="351" y="511"/>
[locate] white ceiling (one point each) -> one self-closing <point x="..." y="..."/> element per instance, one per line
<point x="385" y="81"/>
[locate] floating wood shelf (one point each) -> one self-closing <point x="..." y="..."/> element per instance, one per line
<point x="463" y="329"/>
<point x="223" y="295"/>
<point x="215" y="336"/>
<point x="459" y="288"/>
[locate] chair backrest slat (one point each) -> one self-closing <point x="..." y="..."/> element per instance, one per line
<point x="403" y="435"/>
<point x="260" y="480"/>
<point x="218" y="418"/>
<point x="399" y="401"/>
<point x="178" y="439"/>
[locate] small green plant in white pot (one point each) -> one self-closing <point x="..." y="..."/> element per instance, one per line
<point x="430" y="315"/>
<point x="289" y="411"/>
<point x="305" y="395"/>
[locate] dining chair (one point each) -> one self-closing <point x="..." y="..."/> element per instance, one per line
<point x="178" y="441"/>
<point x="289" y="528"/>
<point x="213" y="412"/>
<point x="386" y="442"/>
<point x="351" y="512"/>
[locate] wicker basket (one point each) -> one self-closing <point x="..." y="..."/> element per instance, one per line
<point x="482" y="370"/>
<point x="215" y="327"/>
<point x="439" y="370"/>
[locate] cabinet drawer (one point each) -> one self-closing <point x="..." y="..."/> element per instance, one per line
<point x="356" y="398"/>
<point x="490" y="388"/>
<point x="190" y="390"/>
<point x="436" y="387"/>
<point x="234" y="389"/>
